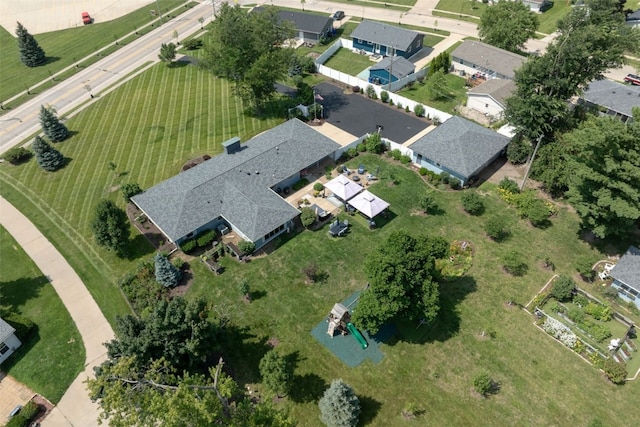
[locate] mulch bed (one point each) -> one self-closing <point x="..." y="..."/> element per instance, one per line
<point x="148" y="229"/>
<point x="45" y="408"/>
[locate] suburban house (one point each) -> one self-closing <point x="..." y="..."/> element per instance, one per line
<point x="387" y="40"/>
<point x="460" y="147"/>
<point x="612" y="98"/>
<point x="626" y="276"/>
<point x="538" y="5"/>
<point x="633" y="19"/>
<point x="239" y="189"/>
<point x="309" y="27"/>
<point x="390" y="69"/>
<point x="489" y="97"/>
<point x="491" y="62"/>
<point x="8" y="340"/>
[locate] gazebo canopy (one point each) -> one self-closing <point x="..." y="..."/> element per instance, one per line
<point x="343" y="187"/>
<point x="369" y="204"/>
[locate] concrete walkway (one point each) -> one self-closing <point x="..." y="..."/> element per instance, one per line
<point x="75" y="407"/>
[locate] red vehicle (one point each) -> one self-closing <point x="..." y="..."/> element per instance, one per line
<point x="86" y="19"/>
<point x="634" y="79"/>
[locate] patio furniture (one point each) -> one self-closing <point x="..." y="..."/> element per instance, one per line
<point x="338" y="228"/>
<point x="356" y="178"/>
<point x="361" y="169"/>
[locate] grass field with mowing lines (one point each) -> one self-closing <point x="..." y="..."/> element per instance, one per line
<point x="61" y="47"/>
<point x="457" y="94"/>
<point x="346" y="61"/>
<point x="54" y="355"/>
<point x="149" y="127"/>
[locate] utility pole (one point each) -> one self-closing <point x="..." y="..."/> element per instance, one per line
<point x="533" y="155"/>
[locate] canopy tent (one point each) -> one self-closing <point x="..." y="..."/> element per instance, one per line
<point x="368" y="204"/>
<point x="343" y="187"/>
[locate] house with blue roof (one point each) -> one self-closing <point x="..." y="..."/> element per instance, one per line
<point x="386" y="40"/>
<point x="626" y="276"/>
<point x="390" y="69"/>
<point x="240" y="188"/>
<point x="459" y="147"/>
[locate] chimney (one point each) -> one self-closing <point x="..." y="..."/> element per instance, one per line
<point x="231" y="145"/>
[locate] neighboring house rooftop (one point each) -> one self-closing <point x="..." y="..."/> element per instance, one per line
<point x="489" y="57"/>
<point x="627" y="270"/>
<point x="460" y="145"/>
<point x="384" y="34"/>
<point x="237" y="186"/>
<point x="307" y="22"/>
<point x="498" y="89"/>
<point x="397" y="65"/>
<point x="613" y="95"/>
<point x="634" y="17"/>
<point x="6" y="330"/>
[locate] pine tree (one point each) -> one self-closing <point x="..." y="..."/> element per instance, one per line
<point x="48" y="157"/>
<point x="166" y="273"/>
<point x="110" y="226"/>
<point x="339" y="407"/>
<point x="31" y="54"/>
<point x="52" y="126"/>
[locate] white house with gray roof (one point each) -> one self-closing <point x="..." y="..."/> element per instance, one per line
<point x="8" y="340"/>
<point x="626" y="276"/>
<point x="387" y="40"/>
<point x="239" y="188"/>
<point x="489" y="97"/>
<point x="490" y="61"/>
<point x="309" y="27"/>
<point x="612" y="98"/>
<point x="460" y="147"/>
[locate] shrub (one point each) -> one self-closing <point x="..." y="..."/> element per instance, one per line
<point x="188" y="245"/>
<point x="178" y="263"/>
<point x="599" y="332"/>
<point x="30" y="410"/>
<point x="472" y="203"/>
<point x="419" y="110"/>
<point x="17" y="155"/>
<point x="518" y="151"/>
<point x="616" y="372"/>
<point x="384" y="96"/>
<point x="17" y="421"/>
<point x="318" y="186"/>
<point x="351" y="153"/>
<point x="192" y="44"/>
<point x="374" y="144"/>
<point x="482" y="384"/>
<point x="514" y="264"/>
<point x="205" y="238"/>
<point x="444" y="177"/>
<point x="300" y="184"/>
<point x="247" y="247"/>
<point x="23" y="325"/>
<point x="355" y="89"/>
<point x="396" y="154"/>
<point x="599" y="311"/>
<point x="311" y="272"/>
<point x="129" y="190"/>
<point x="537" y="213"/>
<point x="405" y="160"/>
<point x="576" y="315"/>
<point x="563" y="288"/>
<point x="371" y="92"/>
<point x="454" y="183"/>
<point x="361" y="148"/>
<point x="611" y="293"/>
<point x="583" y="266"/>
<point x="427" y="202"/>
<point x="509" y="185"/>
<point x="495" y="229"/>
<point x="580" y="300"/>
<point x="406" y="109"/>
<point x="308" y="217"/>
<point x="399" y="105"/>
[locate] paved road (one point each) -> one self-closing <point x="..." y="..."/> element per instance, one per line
<point x="23" y="122"/>
<point x="75" y="408"/>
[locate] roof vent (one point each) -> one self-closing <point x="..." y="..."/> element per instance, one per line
<point x="232" y="145"/>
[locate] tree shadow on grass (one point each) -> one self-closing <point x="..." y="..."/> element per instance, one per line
<point x="16" y="292"/>
<point x="307" y="388"/>
<point x="243" y="351"/>
<point x="138" y="247"/>
<point x="369" y="408"/>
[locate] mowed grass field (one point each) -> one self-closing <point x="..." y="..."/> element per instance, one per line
<point x="149" y="128"/>
<point x="54" y="355"/>
<point x="64" y="47"/>
<point x="541" y="382"/>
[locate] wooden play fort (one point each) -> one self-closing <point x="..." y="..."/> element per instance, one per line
<point x="340" y="321"/>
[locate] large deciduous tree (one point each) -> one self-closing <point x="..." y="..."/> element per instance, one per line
<point x="110" y="226"/>
<point x="508" y="25"/>
<point x="591" y="40"/>
<point x="47" y="157"/>
<point x="31" y="54"/>
<point x="276" y="372"/>
<point x="605" y="185"/>
<point x="52" y="127"/>
<point x="247" y="48"/>
<point x="400" y="273"/>
<point x="339" y="406"/>
<point x="167" y="53"/>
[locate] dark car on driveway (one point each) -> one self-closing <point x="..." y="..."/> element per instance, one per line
<point x="634" y="79"/>
<point x="338" y="15"/>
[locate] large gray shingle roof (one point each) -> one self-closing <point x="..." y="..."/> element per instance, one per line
<point x="627" y="270"/>
<point x="384" y="34"/>
<point x="489" y="57"/>
<point x="397" y="65"/>
<point x="460" y="145"/>
<point x="237" y="186"/>
<point x="613" y="95"/>
<point x="308" y="22"/>
<point x="5" y="330"/>
<point x="498" y="89"/>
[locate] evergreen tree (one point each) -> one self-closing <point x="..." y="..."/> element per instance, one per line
<point x="110" y="226"/>
<point x="52" y="126"/>
<point x="167" y="53"/>
<point x="166" y="273"/>
<point x="31" y="54"/>
<point x="339" y="407"/>
<point x="47" y="157"/>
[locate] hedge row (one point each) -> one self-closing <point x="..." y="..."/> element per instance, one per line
<point x="200" y="241"/>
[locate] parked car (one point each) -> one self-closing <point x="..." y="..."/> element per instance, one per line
<point x="86" y="19"/>
<point x="338" y="15"/>
<point x="634" y="79"/>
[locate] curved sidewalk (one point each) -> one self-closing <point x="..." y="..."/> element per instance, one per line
<point x="75" y="408"/>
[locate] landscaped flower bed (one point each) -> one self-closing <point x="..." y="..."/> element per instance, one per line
<point x="458" y="262"/>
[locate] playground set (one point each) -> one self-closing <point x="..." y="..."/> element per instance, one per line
<point x="340" y="320"/>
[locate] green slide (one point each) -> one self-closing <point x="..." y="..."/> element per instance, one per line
<point x="357" y="335"/>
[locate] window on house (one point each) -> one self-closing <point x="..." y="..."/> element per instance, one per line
<point x="419" y="158"/>
<point x="360" y="41"/>
<point x="3" y="348"/>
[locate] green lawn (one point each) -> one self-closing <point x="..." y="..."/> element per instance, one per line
<point x="346" y="61"/>
<point x="54" y="355"/>
<point x="549" y="19"/>
<point x="436" y="368"/>
<point x="457" y="94"/>
<point x="64" y="47"/>
<point x="466" y="7"/>
<point x="149" y="127"/>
